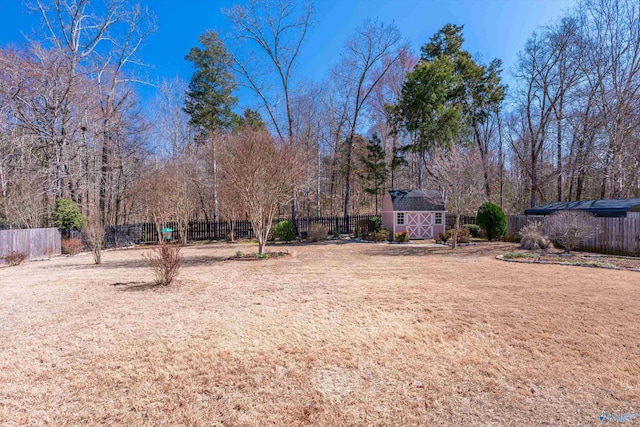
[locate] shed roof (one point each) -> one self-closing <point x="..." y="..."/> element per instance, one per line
<point x="609" y="208"/>
<point x="416" y="200"/>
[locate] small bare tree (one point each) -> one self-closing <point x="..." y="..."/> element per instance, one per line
<point x="458" y="172"/>
<point x="262" y="174"/>
<point x="165" y="261"/>
<point x="569" y="228"/>
<point x="93" y="234"/>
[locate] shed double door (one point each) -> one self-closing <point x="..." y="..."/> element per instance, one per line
<point x="420" y="225"/>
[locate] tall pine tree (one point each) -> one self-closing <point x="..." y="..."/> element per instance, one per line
<point x="374" y="168"/>
<point x="210" y="97"/>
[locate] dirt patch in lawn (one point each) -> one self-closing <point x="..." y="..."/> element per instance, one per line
<point x="339" y="334"/>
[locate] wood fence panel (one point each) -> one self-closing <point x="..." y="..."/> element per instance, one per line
<point x="616" y="236"/>
<point x="37" y="243"/>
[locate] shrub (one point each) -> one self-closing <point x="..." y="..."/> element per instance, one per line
<point x="474" y="230"/>
<point x="402" y="236"/>
<point x="364" y="227"/>
<point x="377" y="223"/>
<point x="491" y="218"/>
<point x="318" y="232"/>
<point x="568" y="228"/>
<point x="515" y="255"/>
<point x="67" y="215"/>
<point x="165" y="260"/>
<point x="379" y="236"/>
<point x="239" y="254"/>
<point x="463" y="235"/>
<point x="15" y="258"/>
<point x="532" y="237"/>
<point x="93" y="234"/>
<point x="284" y="230"/>
<point x="71" y="246"/>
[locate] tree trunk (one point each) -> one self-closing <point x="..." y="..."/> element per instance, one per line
<point x="456" y="228"/>
<point x="318" y="175"/>
<point x="559" y="153"/>
<point x="501" y="161"/>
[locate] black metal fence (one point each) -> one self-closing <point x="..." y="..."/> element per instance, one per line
<point x="126" y="235"/>
<point x="146" y="232"/>
<point x="451" y="220"/>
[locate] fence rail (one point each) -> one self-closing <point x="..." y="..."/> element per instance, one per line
<point x="464" y="219"/>
<point x="124" y="235"/>
<point x="146" y="232"/>
<point x="37" y="243"/>
<point x="616" y="236"/>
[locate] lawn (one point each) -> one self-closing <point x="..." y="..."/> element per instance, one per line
<point x="336" y="334"/>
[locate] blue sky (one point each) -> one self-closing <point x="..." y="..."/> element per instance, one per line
<point x="492" y="28"/>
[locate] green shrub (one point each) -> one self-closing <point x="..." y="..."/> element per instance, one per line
<point x="67" y="215"/>
<point x="402" y="236"/>
<point x="284" y="230"/>
<point x="491" y="218"/>
<point x="318" y="232"/>
<point x="377" y="223"/>
<point x="239" y="254"/>
<point x="364" y="227"/>
<point x="379" y="236"/>
<point x="474" y="230"/>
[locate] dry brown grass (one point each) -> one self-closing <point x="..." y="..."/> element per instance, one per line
<point x="337" y="334"/>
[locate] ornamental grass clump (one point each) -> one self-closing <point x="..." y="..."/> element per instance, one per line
<point x="318" y="232"/>
<point x="532" y="237"/>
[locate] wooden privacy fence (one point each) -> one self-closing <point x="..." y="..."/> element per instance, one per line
<point x="37" y="243"/>
<point x="618" y="236"/>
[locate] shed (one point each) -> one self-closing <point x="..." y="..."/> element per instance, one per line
<point x="420" y="213"/>
<point x="615" y="208"/>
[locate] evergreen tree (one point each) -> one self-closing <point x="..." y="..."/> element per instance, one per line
<point x="449" y="97"/>
<point x="374" y="168"/>
<point x="210" y="97"/>
<point x="67" y="215"/>
<point x="250" y="118"/>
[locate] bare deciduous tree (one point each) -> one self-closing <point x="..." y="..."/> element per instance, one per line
<point x="270" y="35"/>
<point x="456" y="172"/>
<point x="374" y="43"/>
<point x="262" y="174"/>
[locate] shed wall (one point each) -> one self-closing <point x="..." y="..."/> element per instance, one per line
<point x="387" y="220"/>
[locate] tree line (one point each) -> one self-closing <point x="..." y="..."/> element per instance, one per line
<point x="72" y="123"/>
